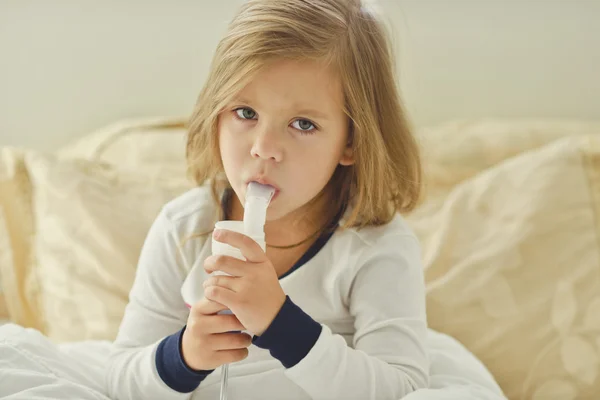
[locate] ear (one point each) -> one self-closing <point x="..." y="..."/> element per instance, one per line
<point x="347" y="157"/>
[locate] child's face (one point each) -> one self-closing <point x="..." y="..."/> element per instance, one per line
<point x="286" y="128"/>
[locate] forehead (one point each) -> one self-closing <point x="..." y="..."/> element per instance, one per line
<point x="289" y="84"/>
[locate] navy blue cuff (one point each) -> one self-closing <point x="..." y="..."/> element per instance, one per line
<point x="171" y="367"/>
<point x="291" y="335"/>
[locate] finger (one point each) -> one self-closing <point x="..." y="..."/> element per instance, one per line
<point x="231" y="356"/>
<point x="221" y="324"/>
<point x="207" y="307"/>
<point x="227" y="282"/>
<point x="221" y="295"/>
<point x="230" y="341"/>
<point x="249" y="248"/>
<point x="227" y="264"/>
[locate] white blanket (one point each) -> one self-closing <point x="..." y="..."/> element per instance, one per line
<point x="32" y="367"/>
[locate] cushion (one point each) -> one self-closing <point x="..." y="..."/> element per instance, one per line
<point x="152" y="142"/>
<point x="512" y="260"/>
<point x="20" y="302"/>
<point x="5" y="259"/>
<point x="91" y="220"/>
<point x="133" y="143"/>
<point x="457" y="150"/>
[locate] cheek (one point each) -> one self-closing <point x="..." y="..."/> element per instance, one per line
<point x="230" y="145"/>
<point x="316" y="166"/>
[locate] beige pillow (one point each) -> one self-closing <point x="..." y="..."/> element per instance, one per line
<point x="513" y="269"/>
<point x="134" y="142"/>
<point x="154" y="143"/>
<point x="458" y="150"/>
<point x="5" y="259"/>
<point x="4" y="316"/>
<point x="90" y="221"/>
<point x="18" y="281"/>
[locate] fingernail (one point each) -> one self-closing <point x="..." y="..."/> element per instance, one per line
<point x="216" y="233"/>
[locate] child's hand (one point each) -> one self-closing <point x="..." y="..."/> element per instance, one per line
<point x="253" y="292"/>
<point x="207" y="343"/>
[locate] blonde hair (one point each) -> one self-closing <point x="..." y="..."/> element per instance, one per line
<point x="386" y="175"/>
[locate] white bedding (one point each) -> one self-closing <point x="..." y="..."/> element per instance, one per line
<point x="32" y="367"/>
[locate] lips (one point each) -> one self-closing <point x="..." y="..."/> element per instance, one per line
<point x="265" y="181"/>
<point x="275" y="195"/>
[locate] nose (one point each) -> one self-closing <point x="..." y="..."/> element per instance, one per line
<point x="267" y="144"/>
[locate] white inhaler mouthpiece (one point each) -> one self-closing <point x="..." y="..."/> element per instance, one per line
<point x="258" y="198"/>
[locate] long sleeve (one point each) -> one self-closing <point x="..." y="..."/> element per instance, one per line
<point x="388" y="359"/>
<point x="155" y="311"/>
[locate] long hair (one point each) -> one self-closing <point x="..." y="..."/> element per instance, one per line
<point x="349" y="37"/>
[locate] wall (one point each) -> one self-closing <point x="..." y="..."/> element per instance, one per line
<point x="68" y="67"/>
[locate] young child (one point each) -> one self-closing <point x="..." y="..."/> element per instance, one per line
<point x="301" y="96"/>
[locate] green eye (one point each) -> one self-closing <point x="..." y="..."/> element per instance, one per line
<point x="303" y="125"/>
<point x="245" y="113"/>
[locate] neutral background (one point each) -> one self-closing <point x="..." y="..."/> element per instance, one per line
<point x="68" y="67"/>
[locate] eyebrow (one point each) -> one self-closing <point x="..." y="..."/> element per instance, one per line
<point x="313" y="113"/>
<point x="240" y="100"/>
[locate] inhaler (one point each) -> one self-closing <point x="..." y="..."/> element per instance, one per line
<point x="258" y="198"/>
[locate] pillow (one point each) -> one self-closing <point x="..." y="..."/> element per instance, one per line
<point x="458" y="150"/>
<point x="512" y="261"/>
<point x="90" y="221"/>
<point x="134" y="142"/>
<point x="4" y="316"/>
<point x="20" y="301"/>
<point x="5" y="255"/>
<point x="152" y="142"/>
<point x="5" y="260"/>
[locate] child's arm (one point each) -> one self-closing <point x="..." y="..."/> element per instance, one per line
<point x="388" y="359"/>
<point x="155" y="311"/>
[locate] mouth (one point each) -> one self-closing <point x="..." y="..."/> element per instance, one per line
<point x="275" y="195"/>
<point x="265" y="181"/>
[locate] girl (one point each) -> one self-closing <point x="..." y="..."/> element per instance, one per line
<point x="301" y="96"/>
